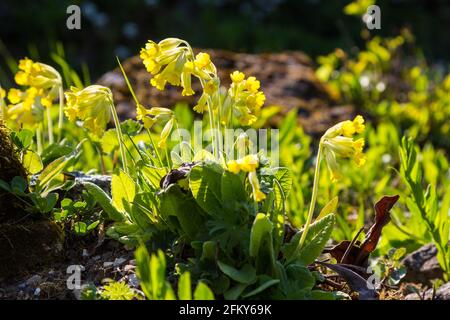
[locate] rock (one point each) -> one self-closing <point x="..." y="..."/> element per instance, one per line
<point x="34" y="280"/>
<point x="119" y="261"/>
<point x="287" y="79"/>
<point x="37" y="292"/>
<point x="108" y="264"/>
<point x="133" y="281"/>
<point x="442" y="293"/>
<point x="422" y="265"/>
<point x="129" y="268"/>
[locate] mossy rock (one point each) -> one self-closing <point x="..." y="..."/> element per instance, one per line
<point x="10" y="166"/>
<point x="26" y="241"/>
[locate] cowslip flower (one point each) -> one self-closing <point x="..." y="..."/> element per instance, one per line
<point x="172" y="61"/>
<point x="92" y="105"/>
<point x="248" y="164"/>
<point x="150" y="116"/>
<point x="162" y="143"/>
<point x="26" y="106"/>
<point x="40" y="76"/>
<point x="245" y="99"/>
<point x="338" y="143"/>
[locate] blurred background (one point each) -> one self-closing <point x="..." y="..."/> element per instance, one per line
<point x="115" y="27"/>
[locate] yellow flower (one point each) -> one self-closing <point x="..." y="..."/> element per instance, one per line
<point x="247" y="164"/>
<point x="202" y="60"/>
<point x="237" y="77"/>
<point x="252" y="85"/>
<point x="233" y="166"/>
<point x="165" y="133"/>
<point x="201" y="105"/>
<point x="38" y="75"/>
<point x="92" y="105"/>
<point x="15" y="96"/>
<point x="2" y="93"/>
<point x="258" y="195"/>
<point x="246" y="99"/>
<point x="358" y="124"/>
<point x="210" y="87"/>
<point x="338" y="142"/>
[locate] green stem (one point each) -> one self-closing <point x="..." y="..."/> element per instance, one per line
<point x="119" y="137"/>
<point x="50" y="126"/>
<point x="313" y="198"/>
<point x="39" y="139"/>
<point x="155" y="148"/>
<point x="61" y="112"/>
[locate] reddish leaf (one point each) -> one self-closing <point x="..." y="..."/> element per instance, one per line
<point x="359" y="253"/>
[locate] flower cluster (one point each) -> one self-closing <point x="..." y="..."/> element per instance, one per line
<point x="338" y="142"/>
<point x="25" y="106"/>
<point x="92" y="105"/>
<point x="246" y="99"/>
<point x="248" y="164"/>
<point x="43" y="83"/>
<point x="172" y="61"/>
<point x="150" y="116"/>
<point x="44" y="78"/>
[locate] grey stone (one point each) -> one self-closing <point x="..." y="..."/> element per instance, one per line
<point x="119" y="261"/>
<point x="422" y="265"/>
<point x="133" y="281"/>
<point x="34" y="280"/>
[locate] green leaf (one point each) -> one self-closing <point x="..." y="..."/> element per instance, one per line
<point x="130" y="127"/>
<point x="153" y="175"/>
<point x="55" y="151"/>
<point x="23" y="138"/>
<point x="93" y="225"/>
<point x="5" y="186"/>
<point x="54" y="169"/>
<point x="284" y="177"/>
<point x="318" y="235"/>
<point x="235" y="292"/>
<point x="265" y="283"/>
<point x="104" y="200"/>
<point x="184" y="287"/>
<point x="123" y="190"/>
<point x="32" y="162"/>
<point x="262" y="227"/>
<point x="19" y="185"/>
<point x="205" y="183"/>
<point x="330" y="207"/>
<point x="180" y="211"/>
<point x="152" y="273"/>
<point x="109" y="141"/>
<point x="203" y="292"/>
<point x="246" y="275"/>
<point x="80" y="228"/>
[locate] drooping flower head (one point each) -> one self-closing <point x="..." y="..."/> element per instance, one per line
<point x="172" y="61"/>
<point x="338" y="143"/>
<point x="92" y="105"/>
<point x="40" y="76"/>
